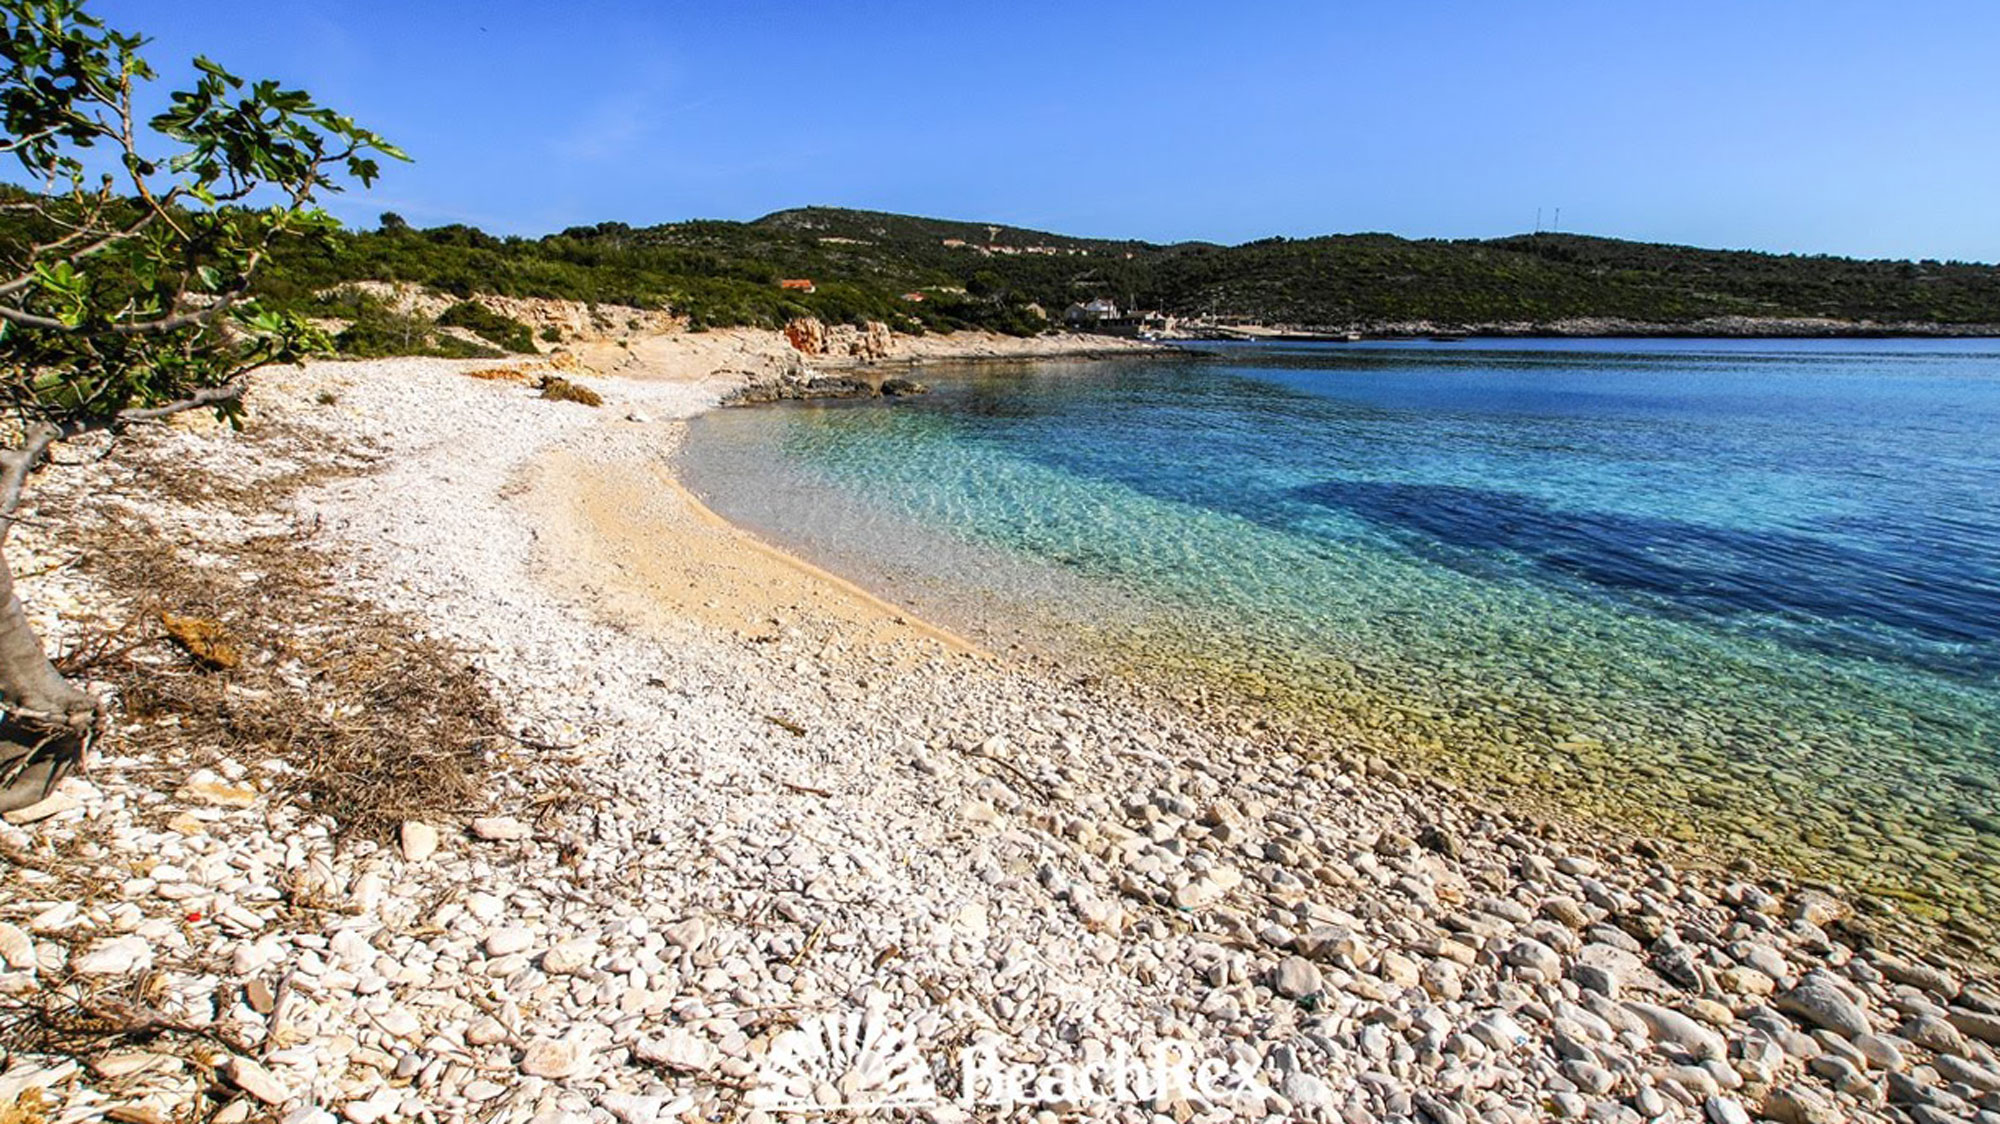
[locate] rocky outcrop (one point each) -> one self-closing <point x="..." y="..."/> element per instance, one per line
<point x="1594" y="327"/>
<point x="871" y="341"/>
<point x="804" y="384"/>
<point x="571" y="322"/>
<point x="808" y="335"/>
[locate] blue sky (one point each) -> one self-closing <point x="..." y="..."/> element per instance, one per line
<point x="1856" y="128"/>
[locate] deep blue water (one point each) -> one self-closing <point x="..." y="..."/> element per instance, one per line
<point x="1747" y="579"/>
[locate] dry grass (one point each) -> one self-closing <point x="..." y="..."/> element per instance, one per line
<point x="499" y="374"/>
<point x="271" y="659"/>
<point x="247" y="649"/>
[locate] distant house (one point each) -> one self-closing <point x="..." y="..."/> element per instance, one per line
<point x="914" y="297"/>
<point x="799" y="284"/>
<point x="1091" y="312"/>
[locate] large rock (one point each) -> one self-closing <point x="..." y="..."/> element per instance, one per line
<point x="1816" y="1002"/>
<point x="1677" y="1029"/>
<point x="870" y="341"/>
<point x="807" y="334"/>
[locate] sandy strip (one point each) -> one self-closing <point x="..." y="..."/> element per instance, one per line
<point x="616" y="518"/>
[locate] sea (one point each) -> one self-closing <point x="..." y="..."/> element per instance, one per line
<point x="1740" y="594"/>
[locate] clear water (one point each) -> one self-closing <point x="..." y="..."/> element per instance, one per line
<point x="1743" y="593"/>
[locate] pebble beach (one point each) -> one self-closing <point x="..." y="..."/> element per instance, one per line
<point x="769" y="847"/>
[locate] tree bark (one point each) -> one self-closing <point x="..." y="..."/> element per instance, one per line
<point x="47" y="722"/>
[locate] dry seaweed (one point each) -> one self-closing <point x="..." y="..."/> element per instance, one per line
<point x="271" y="658"/>
<point x="559" y="389"/>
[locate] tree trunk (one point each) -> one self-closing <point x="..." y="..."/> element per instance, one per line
<point x="47" y="722"/>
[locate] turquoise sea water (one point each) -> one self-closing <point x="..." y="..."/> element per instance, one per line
<point x="1746" y="593"/>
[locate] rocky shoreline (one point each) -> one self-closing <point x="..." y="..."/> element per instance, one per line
<point x="762" y="842"/>
<point x="1714" y="327"/>
<point x="872" y="362"/>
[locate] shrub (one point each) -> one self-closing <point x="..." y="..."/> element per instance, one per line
<point x="501" y="331"/>
<point x="377" y="332"/>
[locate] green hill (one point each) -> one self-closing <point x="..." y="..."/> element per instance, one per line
<point x="866" y="266"/>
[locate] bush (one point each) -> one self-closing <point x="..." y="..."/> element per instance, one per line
<point x="376" y="332"/>
<point x="501" y="331"/>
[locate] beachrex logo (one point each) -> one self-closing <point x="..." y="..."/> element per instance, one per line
<point x="865" y="1061"/>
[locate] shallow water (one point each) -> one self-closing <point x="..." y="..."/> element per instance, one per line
<point x="1743" y="593"/>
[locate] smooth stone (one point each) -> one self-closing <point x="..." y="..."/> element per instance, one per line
<point x="1816" y="1002"/>
<point x="259" y="996"/>
<point x="485" y="1031"/>
<point x="1592" y="977"/>
<point x="553" y="1058"/>
<point x="373" y="1108"/>
<point x="1499" y="1031"/>
<point x="500" y="829"/>
<point x="1918" y="975"/>
<point x="1677" y="1029"/>
<point x="1966" y="1072"/>
<point x="17" y="949"/>
<point x="1933" y="1034"/>
<point x="54" y="804"/>
<point x="420" y="841"/>
<point x="1533" y="955"/>
<point x="632" y="1108"/>
<point x="566" y="958"/>
<point x="1879" y="1051"/>
<point x="1297" y="978"/>
<point x="1793" y="1104"/>
<point x="677" y="1049"/>
<point x="1978" y="1024"/>
<point x="114" y="957"/>
<point x="134" y="1061"/>
<point x="253" y="1079"/>
<point x="399" y="1022"/>
<point x="507" y="942"/>
<point x="1725" y="1110"/>
<point x="1208" y="889"/>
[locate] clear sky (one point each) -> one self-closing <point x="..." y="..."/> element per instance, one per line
<point x="1824" y="126"/>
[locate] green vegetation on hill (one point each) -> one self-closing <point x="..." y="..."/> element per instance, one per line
<point x="864" y="265"/>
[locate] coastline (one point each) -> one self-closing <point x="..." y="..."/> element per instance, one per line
<point x="1594" y="327"/>
<point x="780" y="794"/>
